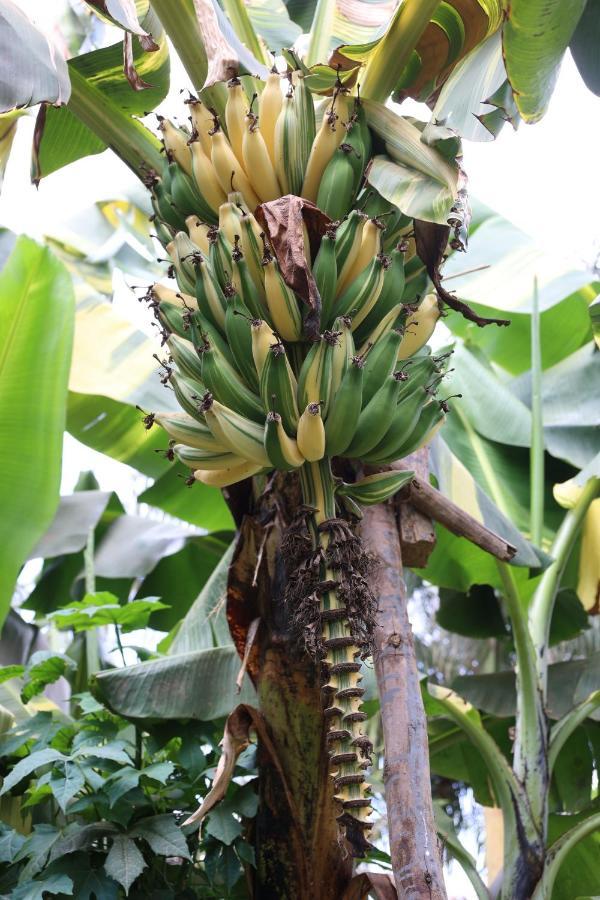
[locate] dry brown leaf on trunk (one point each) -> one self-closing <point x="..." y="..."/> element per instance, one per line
<point x="375" y="883"/>
<point x="236" y="738"/>
<point x="246" y="584"/>
<point x="431" y="241"/>
<point x="283" y="221"/>
<point x="223" y="62"/>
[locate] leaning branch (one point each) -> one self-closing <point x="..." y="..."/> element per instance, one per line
<point x="413" y="839"/>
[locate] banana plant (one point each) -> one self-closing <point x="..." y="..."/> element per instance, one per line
<point x="291" y="212"/>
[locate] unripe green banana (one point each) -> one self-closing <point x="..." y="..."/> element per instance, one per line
<point x="189" y="394"/>
<point x="278" y="387"/>
<point x="201" y="330"/>
<point x="314" y="379"/>
<point x="224" y="383"/>
<point x="186" y="196"/>
<point x="281" y="449"/>
<point x="342" y="420"/>
<point x="343" y="352"/>
<point x="306" y="112"/>
<point x="210" y="297"/>
<point x="402" y="423"/>
<point x="375" y="488"/>
<point x="244" y="284"/>
<point x="284" y="310"/>
<point x="431" y="419"/>
<point x="374" y="419"/>
<point x="185" y="357"/>
<point x="219" y="256"/>
<point x="348" y="240"/>
<point x="194" y="458"/>
<point x="325" y="274"/>
<point x="362" y="293"/>
<point x="185" y="256"/>
<point x="242" y="436"/>
<point x="252" y="248"/>
<point x="311" y="433"/>
<point x="162" y="203"/>
<point x="336" y="190"/>
<point x="380" y="362"/>
<point x="390" y="296"/>
<point x="394" y="319"/>
<point x="239" y="338"/>
<point x="183" y="428"/>
<point x="358" y="136"/>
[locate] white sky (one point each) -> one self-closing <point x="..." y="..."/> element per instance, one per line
<point x="544" y="178"/>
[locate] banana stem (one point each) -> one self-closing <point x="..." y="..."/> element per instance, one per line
<point x="130" y="140"/>
<point x="394" y="50"/>
<point x="348" y="745"/>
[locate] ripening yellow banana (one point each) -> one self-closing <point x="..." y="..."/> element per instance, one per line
<point x="419" y="326"/>
<point x="203" y="173"/>
<point x="257" y="162"/>
<point x="177" y="298"/>
<point x="230" y="173"/>
<point x="224" y="477"/>
<point x="311" y="433"/>
<point x="235" y="111"/>
<point x="202" y="122"/>
<point x="370" y="246"/>
<point x="329" y="137"/>
<point x="176" y="145"/>
<point x="230" y="221"/>
<point x="269" y="107"/>
<point x="263" y="337"/>
<point x="198" y="232"/>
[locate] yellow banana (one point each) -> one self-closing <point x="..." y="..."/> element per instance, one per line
<point x="229" y="171"/>
<point x="263" y="337"/>
<point x="235" y="111"/>
<point x="224" y="477"/>
<point x="202" y="122"/>
<point x="419" y="326"/>
<point x="257" y="162"/>
<point x="178" y="298"/>
<point x="176" y="145"/>
<point x="230" y="220"/>
<point x="198" y="232"/>
<point x="269" y="107"/>
<point x="281" y="301"/>
<point x="370" y="246"/>
<point x="203" y="173"/>
<point x="329" y="137"/>
<point x="311" y="433"/>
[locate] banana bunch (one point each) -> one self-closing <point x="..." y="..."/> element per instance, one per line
<point x="256" y="394"/>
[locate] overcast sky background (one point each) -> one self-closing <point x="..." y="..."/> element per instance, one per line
<point x="544" y="178"/>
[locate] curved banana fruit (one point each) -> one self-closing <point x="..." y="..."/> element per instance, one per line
<point x="311" y="433"/>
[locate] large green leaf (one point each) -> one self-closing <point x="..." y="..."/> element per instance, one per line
<point x="64" y="136"/>
<point x="535" y="36"/>
<point x="584" y="45"/>
<point x="36" y="335"/>
<point x="511" y="260"/>
<point x="579" y="875"/>
<point x="32" y="70"/>
<point x="272" y="22"/>
<point x="197" y="685"/>
<point x="414" y="175"/>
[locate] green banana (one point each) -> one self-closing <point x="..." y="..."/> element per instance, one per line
<point x="390" y="296"/>
<point x="342" y="420"/>
<point x="306" y="112"/>
<point x="242" y="436"/>
<point x="375" y="488"/>
<point x="185" y="357"/>
<point x="336" y="190"/>
<point x="252" y="248"/>
<point x="362" y="293"/>
<point x="404" y="421"/>
<point x="187" y="198"/>
<point x="162" y="203"/>
<point x="358" y="137"/>
<point x="239" y="338"/>
<point x="183" y="428"/>
<point x="201" y="330"/>
<point x="282" y="303"/>
<point x="290" y="164"/>
<point x="374" y="419"/>
<point x="349" y="238"/>
<point x="224" y="383"/>
<point x="278" y="388"/>
<point x="325" y="274"/>
<point x="380" y="362"/>
<point x="209" y="294"/>
<point x="184" y="255"/>
<point x="314" y="379"/>
<point x="189" y="394"/>
<point x="219" y="256"/>
<point x="244" y="284"/>
<point x="343" y="351"/>
<point x="430" y="420"/>
<point x="194" y="458"/>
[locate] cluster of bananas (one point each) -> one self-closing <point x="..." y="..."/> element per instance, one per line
<point x="256" y="393"/>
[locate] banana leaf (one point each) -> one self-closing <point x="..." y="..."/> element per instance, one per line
<point x="36" y="335"/>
